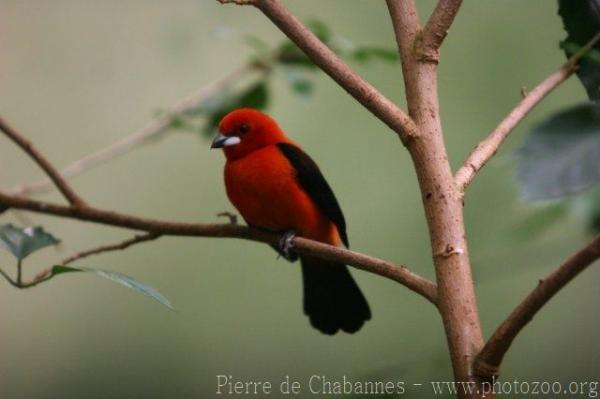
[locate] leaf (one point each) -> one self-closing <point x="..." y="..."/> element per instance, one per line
<point x="371" y="53"/>
<point x="23" y="242"/>
<point x="593" y="55"/>
<point x="593" y="217"/>
<point x="581" y="20"/>
<point x="289" y="54"/>
<point x="562" y="154"/>
<point x="586" y="208"/>
<point x="118" y="278"/>
<point x="180" y="122"/>
<point x="255" y="96"/>
<point x="299" y="82"/>
<point x="320" y="29"/>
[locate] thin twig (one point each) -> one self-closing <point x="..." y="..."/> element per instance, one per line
<point x="337" y="69"/>
<point x="146" y="134"/>
<point x="39" y="278"/>
<point x="239" y="2"/>
<point x="437" y="27"/>
<point x="400" y="274"/>
<point x="113" y="247"/>
<point x="46" y="166"/>
<point x="489" y="359"/>
<point x="18" y="283"/>
<point x="19" y="271"/>
<point x="486" y="149"/>
<point x="8" y="278"/>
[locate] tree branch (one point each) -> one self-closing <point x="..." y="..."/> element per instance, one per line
<point x="489" y="359"/>
<point x="407" y="25"/>
<point x="239" y="2"/>
<point x="338" y="70"/>
<point x="150" y="131"/>
<point x="436" y="29"/>
<point x="302" y="246"/>
<point x="46" y="274"/>
<point x="457" y="302"/>
<point x="9" y="279"/>
<point x="46" y="166"/>
<point x="113" y="247"/>
<point x="486" y="149"/>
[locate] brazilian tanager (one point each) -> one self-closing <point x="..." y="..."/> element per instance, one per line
<point x="277" y="187"/>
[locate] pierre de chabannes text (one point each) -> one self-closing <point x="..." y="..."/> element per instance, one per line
<point x="324" y="385"/>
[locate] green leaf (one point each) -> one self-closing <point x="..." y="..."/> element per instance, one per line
<point x="289" y="54"/>
<point x="23" y="242"/>
<point x="118" y="278"/>
<point x="581" y="19"/>
<point x="562" y="154"/>
<point x="586" y="208"/>
<point x="255" y="96"/>
<point x="371" y="53"/>
<point x="299" y="82"/>
<point x="593" y="221"/>
<point x="320" y="29"/>
<point x="571" y="48"/>
<point x="180" y="122"/>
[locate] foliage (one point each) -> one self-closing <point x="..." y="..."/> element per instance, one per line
<point x="581" y="19"/>
<point x="561" y="155"/>
<point x="118" y="278"/>
<point x="22" y="242"/>
<point x="297" y="70"/>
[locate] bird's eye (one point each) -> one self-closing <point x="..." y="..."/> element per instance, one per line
<point x="244" y="128"/>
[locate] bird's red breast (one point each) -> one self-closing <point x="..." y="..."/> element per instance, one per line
<point x="263" y="186"/>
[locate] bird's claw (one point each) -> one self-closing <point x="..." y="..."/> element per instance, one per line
<point x="231" y="216"/>
<point x="286" y="243"/>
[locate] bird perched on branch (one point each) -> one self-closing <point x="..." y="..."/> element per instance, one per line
<point x="277" y="187"/>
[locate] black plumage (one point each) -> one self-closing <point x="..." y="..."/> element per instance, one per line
<point x="332" y="299"/>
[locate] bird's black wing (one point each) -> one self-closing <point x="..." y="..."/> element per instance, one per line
<point x="314" y="184"/>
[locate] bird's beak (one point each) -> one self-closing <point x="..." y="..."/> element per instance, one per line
<point x="224" y="141"/>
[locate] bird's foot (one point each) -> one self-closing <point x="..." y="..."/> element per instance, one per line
<point x="231" y="216"/>
<point x="286" y="243"/>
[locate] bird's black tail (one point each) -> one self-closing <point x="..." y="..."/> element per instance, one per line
<point x="332" y="300"/>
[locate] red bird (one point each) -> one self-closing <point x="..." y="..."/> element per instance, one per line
<point x="277" y="187"/>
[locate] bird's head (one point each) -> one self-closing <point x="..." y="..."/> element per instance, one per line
<point x="245" y="130"/>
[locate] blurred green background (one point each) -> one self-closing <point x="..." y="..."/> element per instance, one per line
<point x="79" y="75"/>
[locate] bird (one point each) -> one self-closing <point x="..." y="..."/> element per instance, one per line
<point x="277" y="187"/>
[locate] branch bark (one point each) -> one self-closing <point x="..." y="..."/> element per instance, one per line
<point x="442" y="202"/>
<point x="489" y="359"/>
<point x="138" y="239"/>
<point x="486" y="149"/>
<point x="436" y="29"/>
<point x="338" y="70"/>
<point x="43" y="163"/>
<point x="302" y="246"/>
